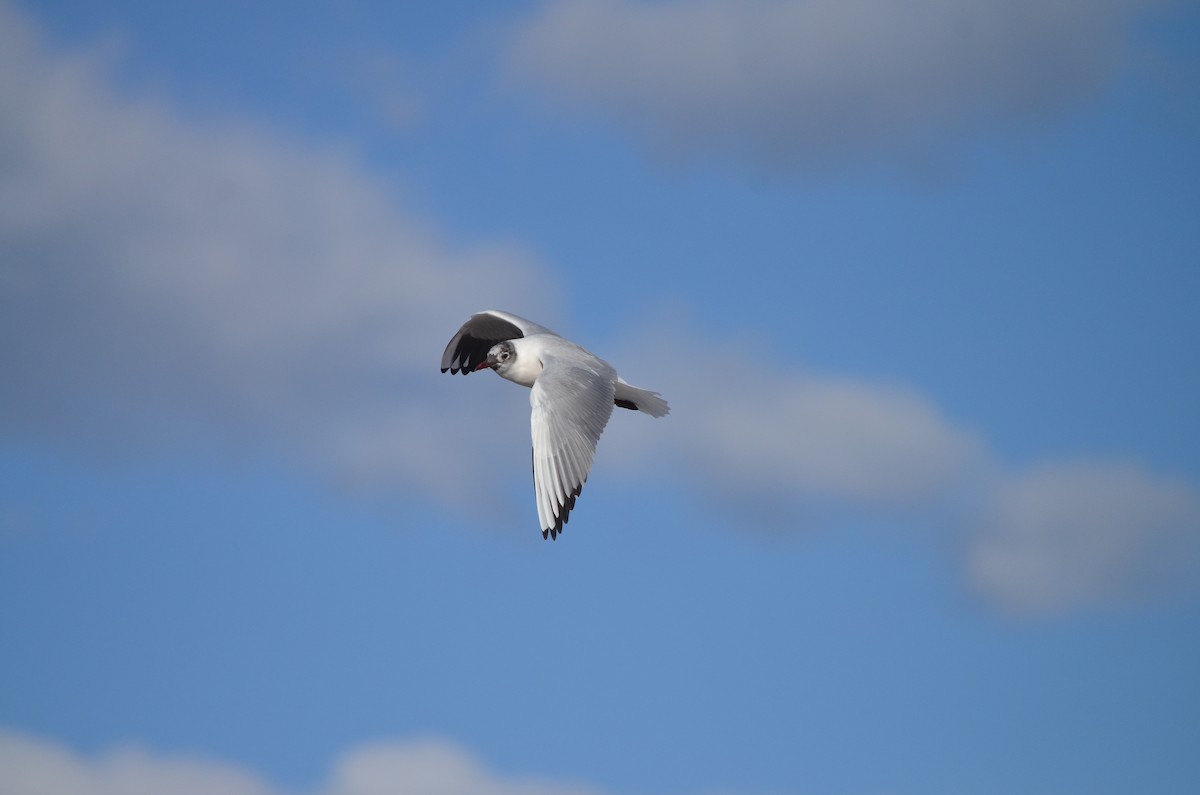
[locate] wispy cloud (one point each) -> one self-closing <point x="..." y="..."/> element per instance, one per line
<point x="759" y="429"/>
<point x="802" y="82"/>
<point x="33" y="765"/>
<point x="165" y="280"/>
<point x="164" y="277"/>
<point x="425" y="767"/>
<point x="1069" y="534"/>
<point x="433" y="766"/>
<point x="1044" y="540"/>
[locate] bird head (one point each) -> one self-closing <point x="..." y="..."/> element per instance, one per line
<point x="500" y="357"/>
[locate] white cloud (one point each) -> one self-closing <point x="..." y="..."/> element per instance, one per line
<point x="1042" y="541"/>
<point x="1065" y="535"/>
<point x="801" y="81"/>
<point x="32" y="766"/>
<point x="828" y="438"/>
<point x="162" y="277"/>
<point x="165" y="280"/>
<point x="759" y="430"/>
<point x="431" y="767"/>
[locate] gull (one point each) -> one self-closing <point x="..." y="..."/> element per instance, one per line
<point x="573" y="392"/>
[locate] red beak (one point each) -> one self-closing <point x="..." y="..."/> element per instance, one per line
<point x="483" y="365"/>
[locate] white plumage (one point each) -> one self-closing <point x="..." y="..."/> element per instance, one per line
<point x="572" y="397"/>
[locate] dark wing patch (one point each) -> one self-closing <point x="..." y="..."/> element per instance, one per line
<point x="471" y="344"/>
<point x="625" y="404"/>
<point x="564" y="515"/>
<point x="565" y="512"/>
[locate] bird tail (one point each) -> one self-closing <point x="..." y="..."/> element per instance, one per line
<point x="631" y="397"/>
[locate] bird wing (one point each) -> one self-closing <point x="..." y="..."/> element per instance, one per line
<point x="471" y="344"/>
<point x="572" y="400"/>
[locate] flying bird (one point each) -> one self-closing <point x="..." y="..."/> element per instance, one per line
<point x="573" y="392"/>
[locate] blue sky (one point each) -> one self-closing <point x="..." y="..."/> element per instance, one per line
<point x="919" y="280"/>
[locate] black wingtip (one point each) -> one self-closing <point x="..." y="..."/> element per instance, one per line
<point x="564" y="515"/>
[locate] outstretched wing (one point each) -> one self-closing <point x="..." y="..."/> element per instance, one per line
<point x="471" y="344"/>
<point x="572" y="400"/>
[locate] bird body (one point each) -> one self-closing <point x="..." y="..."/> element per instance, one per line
<point x="573" y="392"/>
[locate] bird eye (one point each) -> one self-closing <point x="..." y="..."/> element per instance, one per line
<point x="504" y="355"/>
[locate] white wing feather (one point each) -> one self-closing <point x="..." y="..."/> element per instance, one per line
<point x="572" y="400"/>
